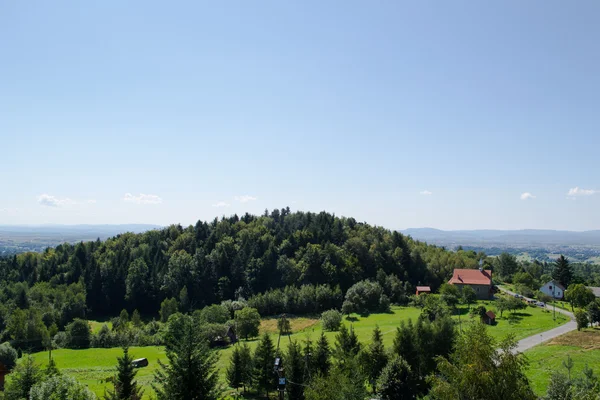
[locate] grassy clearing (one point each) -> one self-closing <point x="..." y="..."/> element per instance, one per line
<point x="583" y="347"/>
<point x="93" y="366"/>
<point x="95" y="326"/>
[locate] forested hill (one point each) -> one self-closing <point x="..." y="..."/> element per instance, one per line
<point x="229" y="258"/>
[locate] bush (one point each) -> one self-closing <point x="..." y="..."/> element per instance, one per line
<point x="61" y="387"/>
<point x="582" y="319"/>
<point x="332" y="320"/>
<point x="365" y="297"/>
<point x="8" y="356"/>
<point x="79" y="334"/>
<point x="61" y="340"/>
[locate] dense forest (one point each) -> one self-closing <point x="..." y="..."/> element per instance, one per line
<point x="224" y="259"/>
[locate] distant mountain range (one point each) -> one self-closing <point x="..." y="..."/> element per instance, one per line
<point x="20" y="238"/>
<point x="529" y="237"/>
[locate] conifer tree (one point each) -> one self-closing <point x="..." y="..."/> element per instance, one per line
<point x="322" y="354"/>
<point x="190" y="373"/>
<point x="347" y="345"/>
<point x="136" y="319"/>
<point x="294" y="370"/>
<point x="562" y="271"/>
<point x="247" y="363"/>
<point x="374" y="358"/>
<point x="51" y="368"/>
<point x="235" y="369"/>
<point x="125" y="388"/>
<point x="264" y="357"/>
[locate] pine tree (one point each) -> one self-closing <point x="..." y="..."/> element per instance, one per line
<point x="264" y="357"/>
<point x="374" y="358"/>
<point x="322" y="355"/>
<point x="190" y="373"/>
<point x="396" y="381"/>
<point x="295" y="367"/>
<point x="247" y="363"/>
<point x="22" y="379"/>
<point x="51" y="368"/>
<point x="346" y="344"/>
<point x="562" y="271"/>
<point x="125" y="388"/>
<point x="235" y="369"/>
<point x="136" y="319"/>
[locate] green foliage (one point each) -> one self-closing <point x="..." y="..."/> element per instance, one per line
<point x="78" y="334"/>
<point x="167" y="308"/>
<point x="347" y="345"/>
<point x="506" y="265"/>
<point x="136" y="319"/>
<point x="215" y="314"/>
<point x="60" y="387"/>
<point x="525" y="279"/>
<point x="322" y="355"/>
<point x="52" y="368"/>
<point x="468" y="295"/>
<point x="125" y="387"/>
<point x="295" y="367"/>
<point x="562" y="271"/>
<point x="190" y="372"/>
<point x="264" y="358"/>
<point x="478" y="312"/>
<point x="397" y="381"/>
<point x="283" y="325"/>
<point x="579" y="295"/>
<point x="340" y="384"/>
<point x="593" y="310"/>
<point x="582" y="319"/>
<point x="23" y="377"/>
<point x="477" y="369"/>
<point x="247" y="321"/>
<point x="235" y="369"/>
<point x="331" y="320"/>
<point x="559" y="387"/>
<point x="8" y="356"/>
<point x="365" y="297"/>
<point x="124" y="317"/>
<point x="374" y="358"/>
<point x="450" y="294"/>
<point x="543" y="297"/>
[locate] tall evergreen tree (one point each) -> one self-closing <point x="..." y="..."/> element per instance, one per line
<point x="322" y="355"/>
<point x="247" y="364"/>
<point x="190" y="373"/>
<point x="264" y="357"/>
<point x="125" y="388"/>
<point x="374" y="358"/>
<point x="294" y="370"/>
<point x="562" y="271"/>
<point x="22" y="379"/>
<point x="347" y="345"/>
<point x="396" y="381"/>
<point x="235" y="369"/>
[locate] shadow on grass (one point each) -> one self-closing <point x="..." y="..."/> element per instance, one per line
<point x="351" y="319"/>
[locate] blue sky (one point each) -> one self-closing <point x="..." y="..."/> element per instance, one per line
<point x="401" y="114"/>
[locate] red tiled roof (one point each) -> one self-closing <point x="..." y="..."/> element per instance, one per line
<point x="471" y="277"/>
<point x="491" y="314"/>
<point x="423" y="289"/>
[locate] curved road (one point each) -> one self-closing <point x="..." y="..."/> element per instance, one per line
<point x="529" y="342"/>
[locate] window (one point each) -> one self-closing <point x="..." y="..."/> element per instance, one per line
<point x="550" y="287"/>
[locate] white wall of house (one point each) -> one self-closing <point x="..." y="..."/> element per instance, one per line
<point x="551" y="289"/>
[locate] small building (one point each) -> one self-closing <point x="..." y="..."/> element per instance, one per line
<point x="231" y="335"/>
<point x="423" y="289"/>
<point x="489" y="318"/>
<point x="479" y="279"/>
<point x="140" y="362"/>
<point x="595" y="290"/>
<point x="553" y="289"/>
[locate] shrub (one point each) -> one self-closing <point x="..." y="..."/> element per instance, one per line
<point x="8" y="356"/>
<point x="582" y="319"/>
<point x="61" y="387"/>
<point x="79" y="334"/>
<point x="332" y="320"/>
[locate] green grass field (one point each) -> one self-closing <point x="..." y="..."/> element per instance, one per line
<point x="93" y="366"/>
<point x="583" y="347"/>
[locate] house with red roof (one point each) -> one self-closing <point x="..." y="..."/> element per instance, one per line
<point x="479" y="279"/>
<point x="423" y="289"/>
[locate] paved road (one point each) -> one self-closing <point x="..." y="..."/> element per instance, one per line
<point x="529" y="342"/>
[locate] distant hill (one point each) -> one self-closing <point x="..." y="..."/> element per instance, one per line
<point x="510" y="237"/>
<point x="20" y="238"/>
<point x="539" y="244"/>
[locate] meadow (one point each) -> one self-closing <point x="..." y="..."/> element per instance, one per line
<point x="582" y="346"/>
<point x="94" y="366"/>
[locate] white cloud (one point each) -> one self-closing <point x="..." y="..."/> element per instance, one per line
<point x="426" y="193"/>
<point x="142" y="198"/>
<point x="9" y="210"/>
<point x="527" y="196"/>
<point x="221" y="204"/>
<point x="91" y="201"/>
<point x="52" y="201"/>
<point x="577" y="191"/>
<point x="245" y="198"/>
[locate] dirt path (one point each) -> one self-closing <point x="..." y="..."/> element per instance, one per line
<point x="531" y="341"/>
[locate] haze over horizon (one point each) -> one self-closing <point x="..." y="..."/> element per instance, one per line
<point x="456" y="116"/>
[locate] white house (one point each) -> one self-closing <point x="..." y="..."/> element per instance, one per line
<point x="553" y="289"/>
